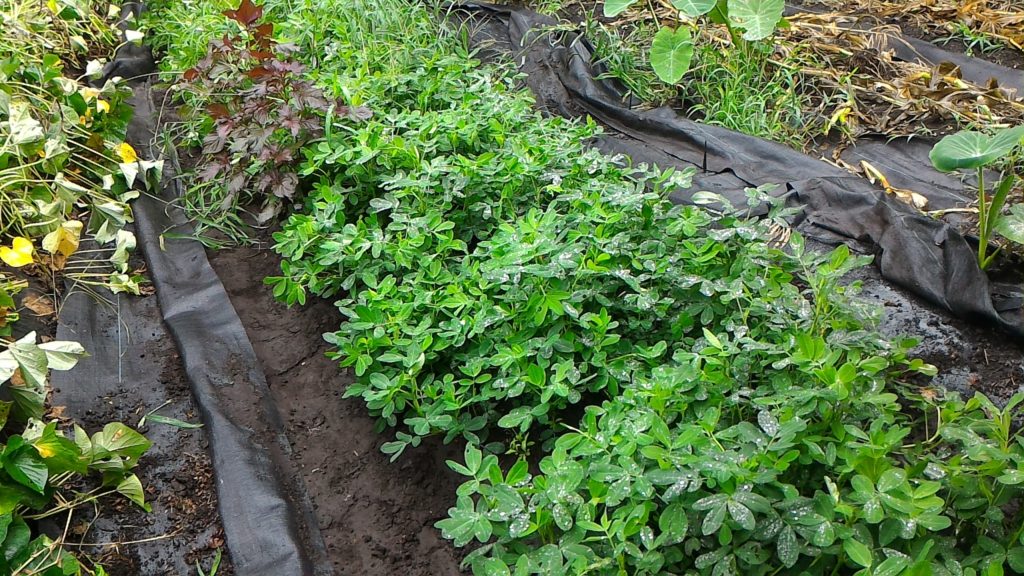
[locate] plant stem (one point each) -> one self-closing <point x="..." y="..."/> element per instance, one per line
<point x="983" y="231"/>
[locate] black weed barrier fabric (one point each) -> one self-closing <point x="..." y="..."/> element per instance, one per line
<point x="267" y="518"/>
<point x="926" y="256"/>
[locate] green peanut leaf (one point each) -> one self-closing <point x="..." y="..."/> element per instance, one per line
<point x="673" y="524"/>
<point x="713" y="520"/>
<point x="1015" y="558"/>
<point x="464" y="523"/>
<point x="891" y="479"/>
<point x="787" y="548"/>
<point x="742" y="515"/>
<point x="858" y="552"/>
<point x="494" y="567"/>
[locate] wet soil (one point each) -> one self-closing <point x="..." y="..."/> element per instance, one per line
<point x="134" y="368"/>
<point x="376" y="517"/>
<point x="970" y="358"/>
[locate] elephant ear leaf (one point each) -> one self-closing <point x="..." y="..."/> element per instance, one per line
<point x="1012" y="225"/>
<point x="757" y="18"/>
<point x="970" y="150"/>
<point x="616" y="7"/>
<point x="694" y="8"/>
<point x="671" y="53"/>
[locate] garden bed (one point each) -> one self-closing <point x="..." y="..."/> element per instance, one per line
<point x="323" y="257"/>
<point x="546" y="367"/>
<point x="376" y="517"/>
<point x="123" y="380"/>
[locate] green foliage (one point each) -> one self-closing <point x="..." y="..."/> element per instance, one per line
<point x="214" y="566"/>
<point x="619" y="51"/>
<point x="746" y="21"/>
<point x="63" y="149"/>
<point x="970" y="150"/>
<point x="37" y="460"/>
<point x="742" y="91"/>
<point x="671" y="52"/>
<point x="783" y="478"/>
<point x="701" y="400"/>
<point x="757" y="18"/>
<point x="9" y="288"/>
<point x="973" y="40"/>
<point x="263" y="111"/>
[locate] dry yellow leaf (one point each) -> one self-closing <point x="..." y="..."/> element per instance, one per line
<point x="40" y="305"/>
<point x="18" y="254"/>
<point x="127" y="153"/>
<point x="64" y="240"/>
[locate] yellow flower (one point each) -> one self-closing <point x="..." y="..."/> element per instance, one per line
<point x="18" y="254"/>
<point x="102" y="106"/>
<point x="127" y="153"/>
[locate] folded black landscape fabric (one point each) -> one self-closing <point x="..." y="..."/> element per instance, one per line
<point x="265" y="512"/>
<point x="267" y="517"/>
<point x="924" y="255"/>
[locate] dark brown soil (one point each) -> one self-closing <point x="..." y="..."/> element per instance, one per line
<point x="1009" y="57"/>
<point x="176" y="473"/>
<point x="376" y="517"/>
<point x="970" y="358"/>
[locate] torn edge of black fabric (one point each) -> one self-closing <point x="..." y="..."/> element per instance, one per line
<point x="268" y="519"/>
<point x="925" y="256"/>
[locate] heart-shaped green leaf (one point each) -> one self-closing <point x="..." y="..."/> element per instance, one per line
<point x="131" y="487"/>
<point x="970" y="150"/>
<point x="616" y="7"/>
<point x="758" y="18"/>
<point x="694" y="8"/>
<point x="671" y="53"/>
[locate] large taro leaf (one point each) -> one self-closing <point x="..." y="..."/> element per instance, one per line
<point x="671" y="53"/>
<point x="757" y="18"/>
<point x="1012" y="226"/>
<point x="970" y="150"/>
<point x="616" y="7"/>
<point x="694" y="8"/>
